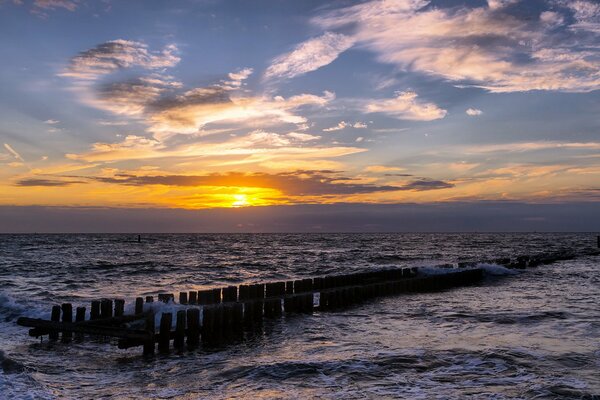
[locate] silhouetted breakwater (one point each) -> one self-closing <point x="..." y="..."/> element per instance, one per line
<point x="218" y="315"/>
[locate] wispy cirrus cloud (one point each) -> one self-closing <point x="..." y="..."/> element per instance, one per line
<point x="13" y="152"/>
<point x="48" y="182"/>
<point x="343" y="125"/>
<point x="473" y="112"/>
<point x="118" y="54"/>
<point x="586" y="14"/>
<point x="406" y="106"/>
<point x="485" y="46"/>
<point x="309" y="56"/>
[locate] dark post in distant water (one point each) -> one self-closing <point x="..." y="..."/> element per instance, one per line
<point x="139" y="238"/>
<point x="55" y="316"/>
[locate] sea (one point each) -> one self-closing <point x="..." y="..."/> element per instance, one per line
<point x="518" y="334"/>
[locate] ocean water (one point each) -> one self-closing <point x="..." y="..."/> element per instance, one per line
<point x="526" y="334"/>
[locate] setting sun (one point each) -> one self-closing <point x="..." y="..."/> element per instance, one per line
<point x="241" y="200"/>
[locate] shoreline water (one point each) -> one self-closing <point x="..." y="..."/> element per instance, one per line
<point x="532" y="335"/>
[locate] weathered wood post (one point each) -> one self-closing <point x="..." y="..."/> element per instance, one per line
<point x="229" y="294"/>
<point x="249" y="313"/>
<point x="149" y="344"/>
<point x="183" y="298"/>
<point x="55" y="316"/>
<point x="139" y="305"/>
<point x="208" y="322"/>
<point x="119" y="307"/>
<point x="165" y="332"/>
<point x="192" y="297"/>
<point x="95" y="310"/>
<point x="79" y="317"/>
<point x="238" y="318"/>
<point x="193" y="333"/>
<point x="67" y="316"/>
<point x="180" y="330"/>
<point x="106" y="308"/>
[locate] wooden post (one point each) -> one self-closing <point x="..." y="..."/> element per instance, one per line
<point x="205" y="297"/>
<point x="230" y="294"/>
<point x="55" y="316"/>
<point x="238" y="318"/>
<point x="79" y="317"/>
<point x="192" y="297"/>
<point x="180" y="330"/>
<point x="208" y="321"/>
<point x="249" y="313"/>
<point x="216" y="295"/>
<point x="289" y="287"/>
<point x="193" y="333"/>
<point x="183" y="298"/>
<point x="106" y="308"/>
<point x="67" y="316"/>
<point x="165" y="332"/>
<point x="149" y="344"/>
<point x="119" y="307"/>
<point x="139" y="305"/>
<point x="95" y="311"/>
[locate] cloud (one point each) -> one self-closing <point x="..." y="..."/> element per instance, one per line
<point x="51" y="122"/>
<point x="473" y="112"/>
<point x="531" y="146"/>
<point x="309" y="56"/>
<point x="490" y="47"/>
<point x="46" y="182"/>
<point x="13" y="152"/>
<point x="407" y="106"/>
<point x="424" y="184"/>
<point x="381" y="168"/>
<point x="255" y="147"/>
<point x="343" y="124"/>
<point x="295" y="183"/>
<point x="586" y="14"/>
<point x="53" y="4"/>
<point x="551" y="18"/>
<point x="303" y="137"/>
<point x="194" y="109"/>
<point x="118" y="54"/>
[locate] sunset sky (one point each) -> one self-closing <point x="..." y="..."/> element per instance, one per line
<point x="205" y="103"/>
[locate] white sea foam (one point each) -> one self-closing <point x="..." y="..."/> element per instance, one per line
<point x="496" y="270"/>
<point x="489" y="269"/>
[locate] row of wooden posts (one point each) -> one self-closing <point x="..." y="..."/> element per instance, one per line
<point x="221" y="314"/>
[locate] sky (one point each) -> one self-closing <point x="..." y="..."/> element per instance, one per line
<point x="225" y="104"/>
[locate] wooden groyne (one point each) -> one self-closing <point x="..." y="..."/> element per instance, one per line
<point x="217" y="315"/>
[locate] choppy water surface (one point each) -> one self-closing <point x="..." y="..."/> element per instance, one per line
<point x="535" y="334"/>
